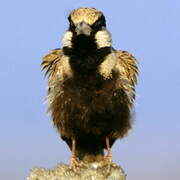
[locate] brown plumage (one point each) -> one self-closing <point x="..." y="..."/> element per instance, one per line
<point x="91" y="87"/>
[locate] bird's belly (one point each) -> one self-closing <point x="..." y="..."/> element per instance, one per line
<point x="86" y="120"/>
<point x="95" y="107"/>
<point x="92" y="113"/>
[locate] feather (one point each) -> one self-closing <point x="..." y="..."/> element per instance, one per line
<point x="50" y="61"/>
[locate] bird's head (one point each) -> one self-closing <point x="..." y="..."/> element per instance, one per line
<point x="88" y="22"/>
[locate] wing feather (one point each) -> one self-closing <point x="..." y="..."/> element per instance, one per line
<point x="50" y="61"/>
<point x="128" y="69"/>
<point x="128" y="66"/>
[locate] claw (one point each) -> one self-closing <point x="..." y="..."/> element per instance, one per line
<point x="74" y="161"/>
<point x="108" y="156"/>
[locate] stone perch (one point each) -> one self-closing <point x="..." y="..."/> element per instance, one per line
<point x="89" y="171"/>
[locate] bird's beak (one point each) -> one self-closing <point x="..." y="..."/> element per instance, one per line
<point x="83" y="28"/>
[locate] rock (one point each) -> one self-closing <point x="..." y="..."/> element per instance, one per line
<point x="88" y="171"/>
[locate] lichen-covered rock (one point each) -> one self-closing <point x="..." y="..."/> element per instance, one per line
<point x="88" y="171"/>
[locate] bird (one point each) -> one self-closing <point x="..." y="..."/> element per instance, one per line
<point x="91" y="87"/>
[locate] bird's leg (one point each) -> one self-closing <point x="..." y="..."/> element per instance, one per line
<point x="108" y="156"/>
<point x="74" y="161"/>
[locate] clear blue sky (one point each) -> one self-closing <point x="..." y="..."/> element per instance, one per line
<point x="148" y="29"/>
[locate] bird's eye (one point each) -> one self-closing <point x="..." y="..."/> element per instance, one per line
<point x="71" y="24"/>
<point x="99" y="24"/>
<point x="69" y="18"/>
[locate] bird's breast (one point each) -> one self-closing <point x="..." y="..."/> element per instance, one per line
<point x="89" y="95"/>
<point x="88" y="106"/>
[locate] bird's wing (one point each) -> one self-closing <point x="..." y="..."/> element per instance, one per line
<point x="127" y="66"/>
<point x="50" y="62"/>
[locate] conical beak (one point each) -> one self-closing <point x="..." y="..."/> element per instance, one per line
<point x="83" y="28"/>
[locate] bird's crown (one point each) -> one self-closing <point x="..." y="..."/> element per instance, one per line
<point x="88" y="15"/>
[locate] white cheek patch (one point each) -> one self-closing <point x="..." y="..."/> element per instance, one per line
<point x="66" y="41"/>
<point x="103" y="39"/>
<point x="105" y="68"/>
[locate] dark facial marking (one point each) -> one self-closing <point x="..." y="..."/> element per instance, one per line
<point x="72" y="27"/>
<point x="98" y="25"/>
<point x="101" y="22"/>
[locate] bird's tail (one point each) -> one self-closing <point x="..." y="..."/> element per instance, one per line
<point x="90" y="150"/>
<point x="90" y="156"/>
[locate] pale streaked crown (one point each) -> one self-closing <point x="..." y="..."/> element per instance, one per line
<point x="88" y="15"/>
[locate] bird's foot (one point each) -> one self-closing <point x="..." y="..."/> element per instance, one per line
<point x="109" y="163"/>
<point x="75" y="163"/>
<point x="108" y="158"/>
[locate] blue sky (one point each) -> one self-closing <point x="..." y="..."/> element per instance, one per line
<point x="150" y="30"/>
